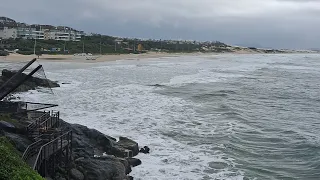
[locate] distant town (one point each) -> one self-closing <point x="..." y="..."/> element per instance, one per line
<point x="22" y="38"/>
<point x="9" y="28"/>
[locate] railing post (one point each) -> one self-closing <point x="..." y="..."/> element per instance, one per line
<point x="71" y="145"/>
<point x="58" y="120"/>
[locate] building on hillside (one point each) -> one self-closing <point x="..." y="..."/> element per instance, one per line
<point x="7" y="33"/>
<point x="9" y="28"/>
<point x="30" y="33"/>
<point x="62" y="35"/>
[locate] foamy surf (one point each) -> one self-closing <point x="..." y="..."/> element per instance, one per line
<point x="127" y="106"/>
<point x="212" y="117"/>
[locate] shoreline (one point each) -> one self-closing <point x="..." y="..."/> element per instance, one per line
<point x="113" y="57"/>
<point x="102" y="58"/>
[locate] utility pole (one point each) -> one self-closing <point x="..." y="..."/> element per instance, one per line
<point x="83" y="47"/>
<point x="100" y="45"/>
<point x="64" y="47"/>
<point x="34" y="47"/>
<point x="177" y="46"/>
<point x="134" y="46"/>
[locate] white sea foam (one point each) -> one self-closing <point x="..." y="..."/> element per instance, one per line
<point x="114" y="98"/>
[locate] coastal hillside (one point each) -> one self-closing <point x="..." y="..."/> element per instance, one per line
<point x="14" y="167"/>
<point x="103" y="44"/>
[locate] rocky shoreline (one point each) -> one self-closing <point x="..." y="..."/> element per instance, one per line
<point x="98" y="156"/>
<point x="95" y="155"/>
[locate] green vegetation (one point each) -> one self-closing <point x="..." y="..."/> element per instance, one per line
<point x="7" y="117"/>
<point x="3" y="53"/>
<point x="91" y="44"/>
<point x="12" y="166"/>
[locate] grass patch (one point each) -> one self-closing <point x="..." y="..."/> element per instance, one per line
<point x="7" y="117"/>
<point x="12" y="167"/>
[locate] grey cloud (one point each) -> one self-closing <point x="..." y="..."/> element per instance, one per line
<point x="276" y="23"/>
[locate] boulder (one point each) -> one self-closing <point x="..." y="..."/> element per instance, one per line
<point x="88" y="142"/>
<point x="76" y="174"/>
<point x="126" y="164"/>
<point x="97" y="155"/>
<point x="134" y="162"/>
<point x="103" y="168"/>
<point x="120" y="151"/>
<point x="129" y="144"/>
<point x="145" y="150"/>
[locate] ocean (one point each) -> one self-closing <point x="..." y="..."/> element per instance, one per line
<point x="203" y="117"/>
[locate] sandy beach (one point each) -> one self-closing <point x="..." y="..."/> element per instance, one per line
<point x="72" y="58"/>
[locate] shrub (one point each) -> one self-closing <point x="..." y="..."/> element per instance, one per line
<point x="12" y="167"/>
<point x="4" y="53"/>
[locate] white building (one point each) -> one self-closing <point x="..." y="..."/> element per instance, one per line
<point x="41" y="32"/>
<point x="7" y="33"/>
<point x="30" y="33"/>
<point x="62" y="35"/>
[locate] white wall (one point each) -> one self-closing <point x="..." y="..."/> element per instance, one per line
<point x="7" y="33"/>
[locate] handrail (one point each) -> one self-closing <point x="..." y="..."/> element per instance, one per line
<point x="42" y="152"/>
<point x="37" y="121"/>
<point x="30" y="149"/>
<point x="50" y="122"/>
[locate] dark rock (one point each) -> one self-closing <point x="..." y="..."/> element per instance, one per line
<point x="126" y="164"/>
<point x="88" y="142"/>
<point x="5" y="124"/>
<point x="21" y="143"/>
<point x="120" y="151"/>
<point x="79" y="159"/>
<point x="134" y="162"/>
<point x="76" y="175"/>
<point x="61" y="178"/>
<point x="103" y="168"/>
<point x="30" y="84"/>
<point x="145" y="150"/>
<point x="129" y="144"/>
<point x="130" y="177"/>
<point x="94" y="153"/>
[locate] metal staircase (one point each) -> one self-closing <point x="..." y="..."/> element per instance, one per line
<point x="51" y="148"/>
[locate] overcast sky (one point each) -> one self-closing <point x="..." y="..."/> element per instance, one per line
<point x="270" y="23"/>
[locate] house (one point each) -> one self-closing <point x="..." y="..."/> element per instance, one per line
<point x="7" y="33"/>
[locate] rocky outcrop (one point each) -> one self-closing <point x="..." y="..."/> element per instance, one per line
<point x="94" y="155"/>
<point x="31" y="84"/>
<point x="134" y="162"/>
<point x="129" y="144"/>
<point x="98" y="156"/>
<point x="102" y="168"/>
<point x="76" y="174"/>
<point x="88" y="142"/>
